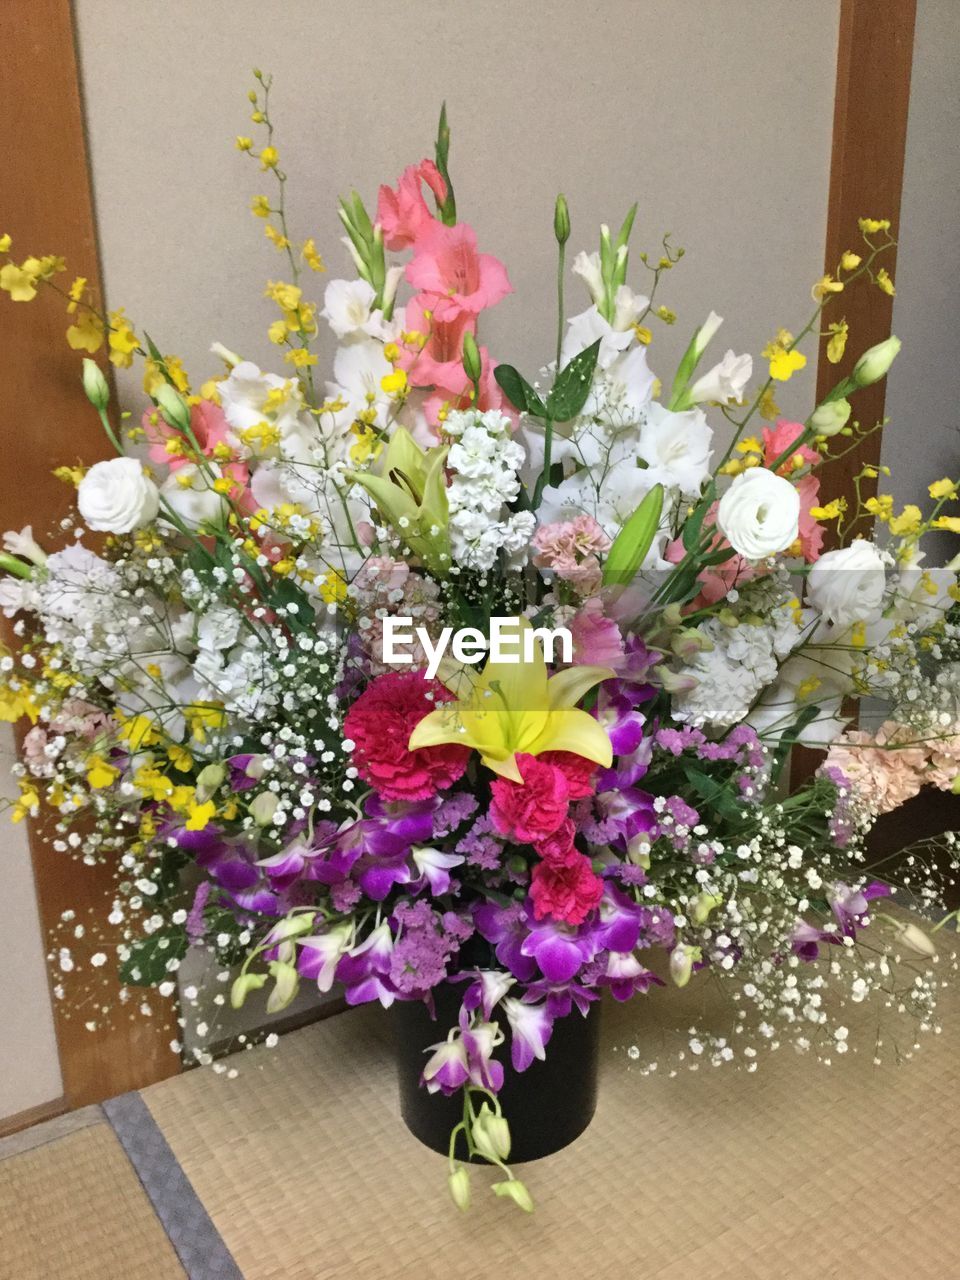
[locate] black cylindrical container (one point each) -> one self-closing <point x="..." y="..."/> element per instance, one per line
<point x="548" y="1105"/>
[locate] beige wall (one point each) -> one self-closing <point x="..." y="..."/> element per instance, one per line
<point x="714" y="114"/>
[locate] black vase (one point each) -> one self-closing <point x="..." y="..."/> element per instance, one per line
<point x="548" y="1105"/>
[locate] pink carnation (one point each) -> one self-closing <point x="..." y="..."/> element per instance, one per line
<point x="882" y="773"/>
<point x="570" y="548"/>
<point x="558" y="846"/>
<point x="566" y="891"/>
<point x="577" y="770"/>
<point x="531" y="810"/>
<point x="380" y="723"/>
<point x="446" y="264"/>
<point x="403" y="214"/>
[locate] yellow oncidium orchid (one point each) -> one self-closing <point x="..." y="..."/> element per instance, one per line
<point x="515" y="707"/>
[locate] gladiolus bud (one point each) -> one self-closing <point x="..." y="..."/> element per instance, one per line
<point x="829" y="418"/>
<point x="875" y="363"/>
<point x="174" y="408"/>
<point x="95" y="385"/>
<point x="561" y="220"/>
<point x="263" y="808"/>
<point x="491" y="1135"/>
<point x="459" y="1184"/>
<point x="472" y="364"/>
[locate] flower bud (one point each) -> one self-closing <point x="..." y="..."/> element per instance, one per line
<point x="913" y="939"/>
<point x="243" y="985"/>
<point x="830" y="417"/>
<point x="263" y="807"/>
<point x="682" y="960"/>
<point x="209" y="778"/>
<point x="515" y="1190"/>
<point x="174" y="408"/>
<point x="229" y="358"/>
<point x="472" y="364"/>
<point x="459" y="1184"/>
<point x="491" y="1135"/>
<point x="561" y="220"/>
<point x="95" y="385"/>
<point x="286" y="984"/>
<point x="687" y="642"/>
<point x="703" y="904"/>
<point x="875" y="363"/>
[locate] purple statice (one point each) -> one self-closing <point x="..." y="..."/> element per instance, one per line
<point x="196" y="926"/>
<point x="676" y="741"/>
<point x="345" y="896"/>
<point x="628" y="873"/>
<point x="481" y="846"/>
<point x="842" y="823"/>
<point x="454" y="809"/>
<point x="424" y="946"/>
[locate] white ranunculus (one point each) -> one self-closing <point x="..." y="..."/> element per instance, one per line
<point x="759" y="515"/>
<point x="190" y="493"/>
<point x="847" y="585"/>
<point x="725" y="381"/>
<point x="117" y="496"/>
<point x="676" y="448"/>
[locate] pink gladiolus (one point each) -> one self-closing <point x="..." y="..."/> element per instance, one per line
<point x="403" y="214"/>
<point x="439" y="362"/>
<point x="446" y="263"/>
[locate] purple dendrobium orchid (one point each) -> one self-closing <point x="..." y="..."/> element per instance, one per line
<point x="434" y="868"/>
<point x="616" y="816"/>
<point x="507" y="928"/>
<point x="320" y="954"/>
<point x="616" y="714"/>
<point x="806" y="939"/>
<point x="364" y="968"/>
<point x="851" y="905"/>
<point x="447" y="1070"/>
<point x="245" y="772"/>
<point x="560" y="950"/>
<point x="531" y="1027"/>
<point x="480" y="1039"/>
<point x="300" y="860"/>
<point x="487" y="990"/>
<point x="560" y="997"/>
<point x="625" y="976"/>
<point x="620" y="920"/>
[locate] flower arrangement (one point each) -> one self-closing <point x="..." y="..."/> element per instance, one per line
<point x="429" y="672"/>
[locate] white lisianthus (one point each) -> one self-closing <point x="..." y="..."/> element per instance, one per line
<point x="847" y="585"/>
<point x="676" y="448"/>
<point x="189" y="492"/>
<point x="725" y="381"/>
<point x="117" y="496"/>
<point x="759" y="515"/>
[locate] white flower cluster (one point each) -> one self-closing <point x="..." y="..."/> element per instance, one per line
<point x="484" y="463"/>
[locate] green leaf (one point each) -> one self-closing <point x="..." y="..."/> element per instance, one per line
<point x="569" y="393"/>
<point x="634" y="540"/>
<point x="694" y="525"/>
<point x="791" y="735"/>
<point x="152" y="348"/>
<point x="713" y="792"/>
<point x="148" y="960"/>
<point x="519" y="391"/>
<point x="626" y="228"/>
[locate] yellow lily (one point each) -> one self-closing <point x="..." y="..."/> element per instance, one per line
<point x="512" y="707"/>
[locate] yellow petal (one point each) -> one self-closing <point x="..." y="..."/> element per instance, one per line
<point x="576" y="731"/>
<point x="566" y="688"/>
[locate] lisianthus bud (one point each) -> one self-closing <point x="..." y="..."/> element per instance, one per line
<point x="459" y="1184"/>
<point x="830" y="417"/>
<point x="875" y="363"/>
<point x="263" y="807"/>
<point x="491" y="1135"/>
<point x="173" y="407"/>
<point x="515" y="1190"/>
<point x="95" y="385"/>
<point x="472" y="364"/>
<point x="561" y="220"/>
<point x="243" y="985"/>
<point x="210" y="777"/>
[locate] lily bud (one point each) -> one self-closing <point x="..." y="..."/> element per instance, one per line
<point x="472" y="364"/>
<point x="174" y="408"/>
<point x="459" y="1184"/>
<point x="95" y="385"/>
<point x="491" y="1135"/>
<point x="829" y="418"/>
<point x="263" y="808"/>
<point x="561" y="220"/>
<point x="515" y="1190"/>
<point x="242" y="987"/>
<point x="875" y="363"/>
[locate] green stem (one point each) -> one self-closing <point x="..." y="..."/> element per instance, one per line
<point x="560" y="264"/>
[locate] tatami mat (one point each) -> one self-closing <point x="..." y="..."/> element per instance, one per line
<point x="73" y="1209"/>
<point x="796" y="1171"/>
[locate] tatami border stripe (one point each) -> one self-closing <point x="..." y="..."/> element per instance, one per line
<point x="189" y="1227"/>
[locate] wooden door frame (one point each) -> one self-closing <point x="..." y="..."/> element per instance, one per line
<point x="49" y="207"/>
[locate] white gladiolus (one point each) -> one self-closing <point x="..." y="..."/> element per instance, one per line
<point x="117" y="496"/>
<point x="725" y="381"/>
<point x="759" y="515"/>
<point x="348" y="309"/>
<point x="705" y="333"/>
<point x="847" y="585"/>
<point x="189" y="493"/>
<point x="587" y="267"/>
